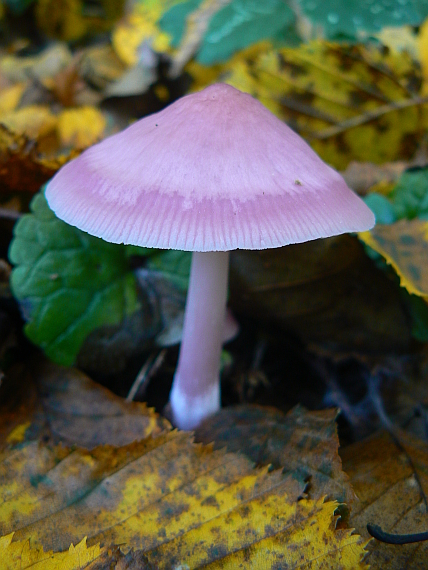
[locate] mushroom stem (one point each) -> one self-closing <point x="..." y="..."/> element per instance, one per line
<point x="195" y="392"/>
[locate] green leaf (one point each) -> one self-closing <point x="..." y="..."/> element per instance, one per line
<point x="410" y="195"/>
<point x="174" y="266"/>
<point x="353" y="16"/>
<point x="381" y="208"/>
<point x="236" y="26"/>
<point x="418" y="309"/>
<point x="67" y="282"/>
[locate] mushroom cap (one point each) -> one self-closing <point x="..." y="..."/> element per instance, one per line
<point x="214" y="171"/>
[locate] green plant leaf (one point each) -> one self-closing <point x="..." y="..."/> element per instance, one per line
<point x="236" y="26"/>
<point x="353" y="16"/>
<point x="67" y="282"/>
<point x="410" y="195"/>
<point x="381" y="208"/>
<point x="174" y="266"/>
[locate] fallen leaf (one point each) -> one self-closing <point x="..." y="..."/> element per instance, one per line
<point x="21" y="166"/>
<point x="139" y="26"/>
<point x="404" y="245"/>
<point x="72" y="20"/>
<point x="10" y="97"/>
<point x="19" y="555"/>
<point x="326" y="291"/>
<point x="351" y="102"/>
<point x="173" y="501"/>
<point x="69" y="408"/>
<point x="301" y="442"/>
<point x="48" y="63"/>
<point x="80" y="128"/>
<point x="391" y="483"/>
<point x="34" y="122"/>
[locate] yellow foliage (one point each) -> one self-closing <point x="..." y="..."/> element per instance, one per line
<point x="404" y="245"/>
<point x="177" y="502"/>
<point x="18" y="434"/>
<point x="19" y="555"/>
<point x="44" y="65"/>
<point x="34" y="121"/>
<point x="140" y="26"/>
<point x="351" y="102"/>
<point x="71" y="20"/>
<point x="10" y="97"/>
<point x="82" y="127"/>
<point x="423" y="54"/>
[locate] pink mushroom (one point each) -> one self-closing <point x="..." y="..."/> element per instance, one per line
<point x="213" y="172"/>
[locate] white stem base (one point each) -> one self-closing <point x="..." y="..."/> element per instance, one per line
<point x="195" y="392"/>
<point x="189" y="412"/>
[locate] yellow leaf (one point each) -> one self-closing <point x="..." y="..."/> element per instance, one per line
<point x="351" y="102"/>
<point x="10" y="97"/>
<point x="47" y="64"/>
<point x="34" y="121"/>
<point x="404" y="245"/>
<point x="19" y="555"/>
<point x="71" y="20"/>
<point x="82" y="127"/>
<point x="176" y="502"/>
<point x="423" y="53"/>
<point x="140" y="26"/>
<point x="18" y="434"/>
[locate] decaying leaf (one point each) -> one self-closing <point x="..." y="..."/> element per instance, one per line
<point x="21" y="166"/>
<point x="391" y="483"/>
<point x="404" y="245"/>
<point x="46" y="64"/>
<point x="176" y="502"/>
<point x="267" y="436"/>
<point x="326" y="291"/>
<point x="71" y="20"/>
<point x="69" y="408"/>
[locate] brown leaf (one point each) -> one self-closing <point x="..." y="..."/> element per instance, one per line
<point x="299" y="442"/>
<point x="75" y="410"/>
<point x="326" y="291"/>
<point x="175" y="502"/>
<point x="390" y="478"/>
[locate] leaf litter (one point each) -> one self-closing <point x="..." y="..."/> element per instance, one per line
<point x="161" y="496"/>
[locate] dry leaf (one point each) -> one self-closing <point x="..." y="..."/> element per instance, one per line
<point x="391" y="482"/>
<point x="174" y="501"/>
<point x="404" y="245"/>
<point x="326" y="291"/>
<point x="82" y="127"/>
<point x="46" y="64"/>
<point x="300" y="441"/>
<point x="21" y="166"/>
<point x="351" y="102"/>
<point x="70" y="408"/>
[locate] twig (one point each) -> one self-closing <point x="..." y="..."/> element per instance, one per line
<point x="150" y="367"/>
<point x="367" y="117"/>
